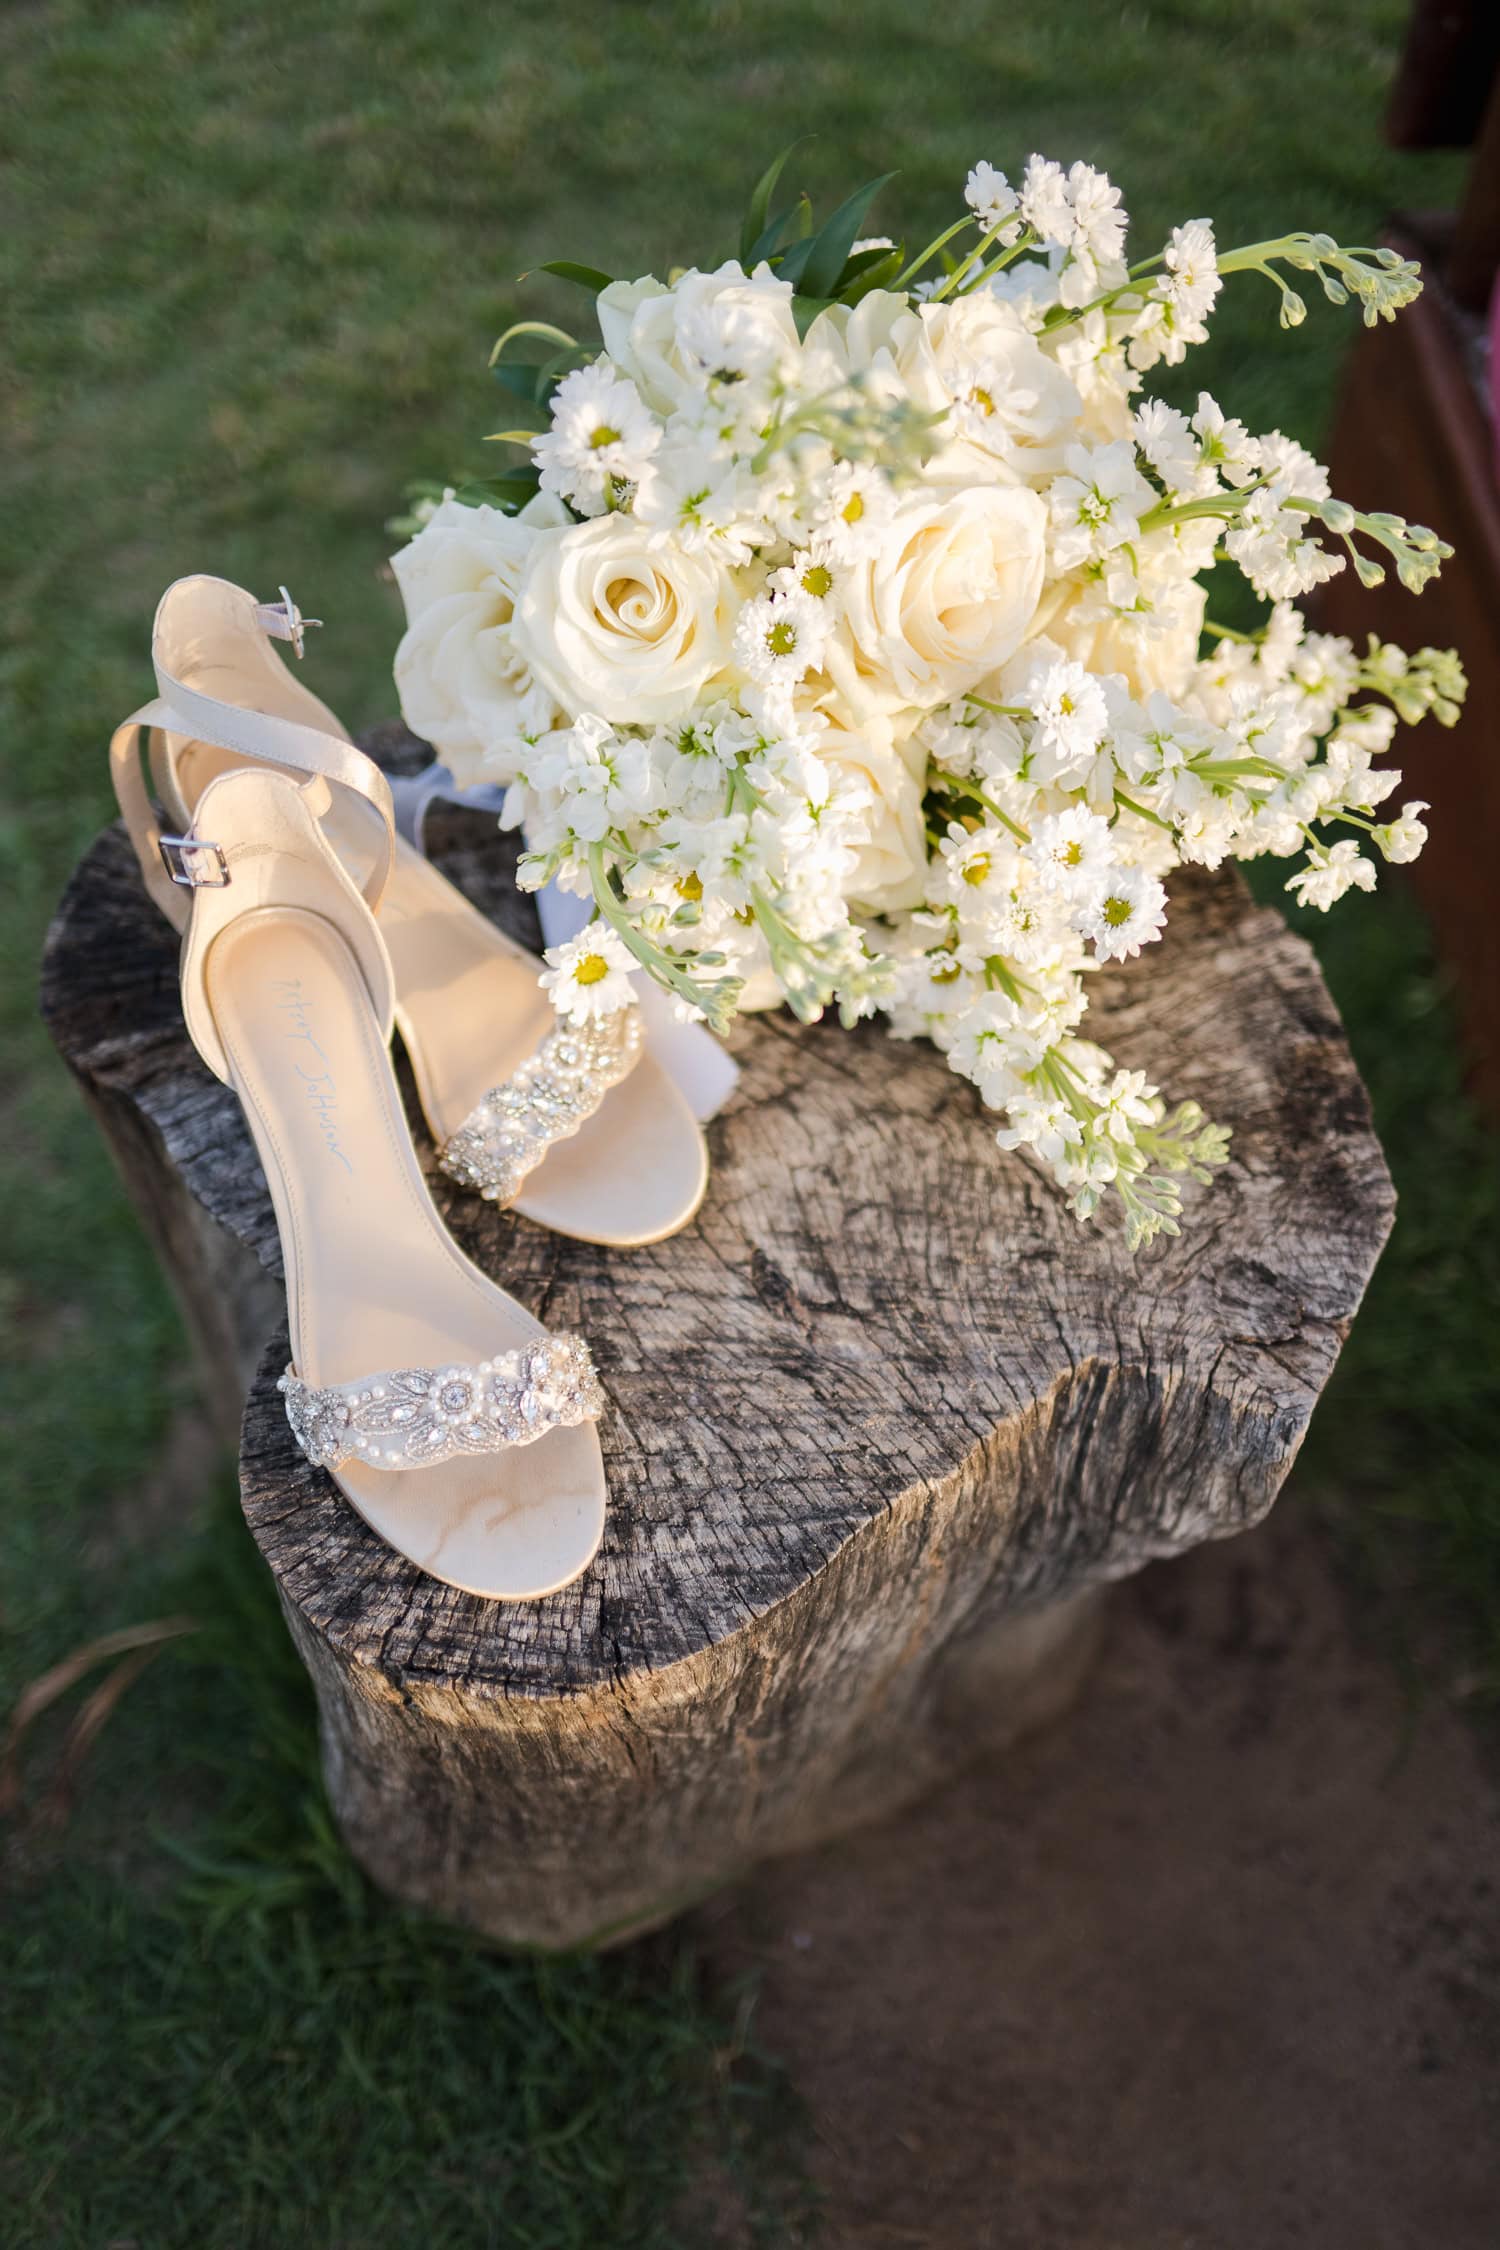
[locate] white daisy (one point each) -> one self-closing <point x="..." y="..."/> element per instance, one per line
<point x="1072" y="716"/>
<point x="1128" y="910"/>
<point x="601" y="440"/>
<point x="972" y="861"/>
<point x="854" y="506"/>
<point x="780" y="637"/>
<point x="1070" y="851"/>
<point x="808" y="573"/>
<point x="589" y="976"/>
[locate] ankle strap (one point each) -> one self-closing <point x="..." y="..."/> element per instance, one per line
<point x="261" y="737"/>
<point x="274" y="742"/>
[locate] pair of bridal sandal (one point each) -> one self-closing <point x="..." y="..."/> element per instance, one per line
<point x="457" y="1426"/>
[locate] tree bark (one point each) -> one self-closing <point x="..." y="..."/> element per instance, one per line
<point x="883" y="1420"/>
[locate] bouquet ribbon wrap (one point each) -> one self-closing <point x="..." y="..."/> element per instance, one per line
<point x="692" y="1057"/>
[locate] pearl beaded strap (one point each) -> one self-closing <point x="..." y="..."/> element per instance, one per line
<point x="418" y="1415"/>
<point x="509" y="1132"/>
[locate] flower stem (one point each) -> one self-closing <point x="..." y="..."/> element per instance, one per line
<point x="976" y="257"/>
<point x="904" y="278"/>
<point x="1143" y="812"/>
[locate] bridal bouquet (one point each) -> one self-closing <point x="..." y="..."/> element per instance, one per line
<point x="843" y="635"/>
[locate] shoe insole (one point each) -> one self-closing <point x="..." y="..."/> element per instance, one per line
<point x="374" y="1281"/>
<point x="470" y="1011"/>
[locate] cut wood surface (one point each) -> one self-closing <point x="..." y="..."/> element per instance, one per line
<point x="881" y="1420"/>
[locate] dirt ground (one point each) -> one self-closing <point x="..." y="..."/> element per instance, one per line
<point x="1212" y="1965"/>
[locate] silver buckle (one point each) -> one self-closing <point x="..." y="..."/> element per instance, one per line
<point x="285" y="621"/>
<point x="175" y="851"/>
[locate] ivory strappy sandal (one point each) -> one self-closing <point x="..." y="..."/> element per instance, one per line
<point x="574" y="1127"/>
<point x="449" y="1417"/>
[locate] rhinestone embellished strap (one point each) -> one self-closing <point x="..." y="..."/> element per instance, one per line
<point x="547" y="1100"/>
<point x="419" y="1415"/>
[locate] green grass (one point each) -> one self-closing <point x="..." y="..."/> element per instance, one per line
<point x="252" y="265"/>
<point x="216" y="2033"/>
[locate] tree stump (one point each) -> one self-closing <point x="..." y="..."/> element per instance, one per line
<point x="882" y="1421"/>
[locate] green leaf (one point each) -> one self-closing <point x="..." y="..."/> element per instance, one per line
<point x="760" y="203"/>
<point x="766" y="246"/>
<point x="834" y="240"/>
<point x="805" y="311"/>
<point x="508" y="492"/>
<point x="791" y="265"/>
<point x="542" y="328"/>
<point x="520" y="376"/>
<point x="587" y="277"/>
<point x="872" y="269"/>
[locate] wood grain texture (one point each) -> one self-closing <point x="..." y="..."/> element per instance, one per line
<point x="882" y="1419"/>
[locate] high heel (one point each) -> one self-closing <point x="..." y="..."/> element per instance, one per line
<point x="575" y="1127"/>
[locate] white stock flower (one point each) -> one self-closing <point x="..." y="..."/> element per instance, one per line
<point x="1097" y="505"/>
<point x="601" y="439"/>
<point x="1042" y="1122"/>
<point x="994" y="203"/>
<point x="603" y="780"/>
<point x="1401" y="839"/>
<point x="1224" y="445"/>
<point x="588" y="977"/>
<point x="1167" y="439"/>
<point x="1271" y="546"/>
<point x="996" y="1046"/>
<point x="617" y="620"/>
<point x="709" y="505"/>
<point x="1329" y="871"/>
<point x="1078" y="211"/>
<point x="1126" y="1102"/>
<point x="1191" y="281"/>
<point x="1291" y="468"/>
<point x="465" y="684"/>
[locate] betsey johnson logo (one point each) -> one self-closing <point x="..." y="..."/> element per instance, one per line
<point x="319" y="1085"/>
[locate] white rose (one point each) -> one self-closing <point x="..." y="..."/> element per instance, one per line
<point x="667" y="339"/>
<point x="1011" y="409"/>
<point x="464" y="685"/>
<point x="860" y="341"/>
<point x="1146" y="660"/>
<point x="618" y="620"/>
<point x="890" y="869"/>
<point x="950" y="595"/>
